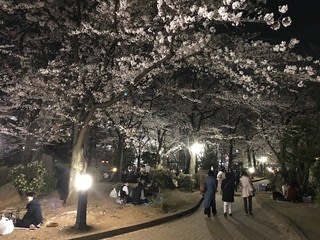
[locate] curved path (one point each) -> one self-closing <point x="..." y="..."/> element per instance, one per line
<point x="263" y="225"/>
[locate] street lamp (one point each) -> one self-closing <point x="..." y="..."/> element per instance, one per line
<point x="196" y="149"/>
<point x="251" y="171"/>
<point x="83" y="183"/>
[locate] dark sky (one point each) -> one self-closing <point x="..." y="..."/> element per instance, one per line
<point x="306" y="19"/>
<point x="305" y="14"/>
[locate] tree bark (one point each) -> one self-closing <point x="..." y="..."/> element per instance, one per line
<point x="78" y="164"/>
<point x="193" y="159"/>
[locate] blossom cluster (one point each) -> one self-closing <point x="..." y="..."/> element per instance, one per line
<point x="275" y="24"/>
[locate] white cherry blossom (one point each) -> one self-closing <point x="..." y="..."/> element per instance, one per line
<point x="283" y="8"/>
<point x="286" y="21"/>
<point x="269" y="18"/>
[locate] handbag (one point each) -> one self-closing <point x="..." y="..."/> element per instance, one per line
<point x="6" y="226"/>
<point x="253" y="191"/>
<point x="113" y="193"/>
<point x="203" y="188"/>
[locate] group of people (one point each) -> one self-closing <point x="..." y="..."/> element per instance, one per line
<point x="137" y="192"/>
<point x="226" y="184"/>
<point x="135" y="173"/>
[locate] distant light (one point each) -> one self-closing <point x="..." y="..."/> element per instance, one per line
<point x="251" y="170"/>
<point x="270" y="169"/>
<point x="197" y="148"/>
<point x="114" y="169"/>
<point x="83" y="182"/>
<point x="263" y="159"/>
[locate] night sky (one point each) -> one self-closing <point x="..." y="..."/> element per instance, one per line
<point x="306" y="19"/>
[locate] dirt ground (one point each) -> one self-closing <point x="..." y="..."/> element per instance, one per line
<point x="103" y="213"/>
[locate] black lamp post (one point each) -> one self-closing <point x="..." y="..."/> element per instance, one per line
<point x="83" y="183"/>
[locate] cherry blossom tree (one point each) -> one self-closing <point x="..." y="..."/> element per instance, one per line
<point x="70" y="64"/>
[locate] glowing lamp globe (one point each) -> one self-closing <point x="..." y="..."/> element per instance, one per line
<point x="83" y="182"/>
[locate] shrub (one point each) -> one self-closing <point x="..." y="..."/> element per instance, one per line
<point x="163" y="178"/>
<point x="31" y="177"/>
<point x="186" y="183"/>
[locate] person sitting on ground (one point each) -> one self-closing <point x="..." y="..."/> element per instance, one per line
<point x="124" y="193"/>
<point x="291" y="194"/>
<point x="277" y="196"/>
<point x="152" y="190"/>
<point x="138" y="193"/>
<point x="33" y="217"/>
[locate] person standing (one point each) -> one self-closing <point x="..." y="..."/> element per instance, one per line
<point x="209" y="201"/>
<point x="247" y="192"/>
<point x="228" y="187"/>
<point x="220" y="176"/>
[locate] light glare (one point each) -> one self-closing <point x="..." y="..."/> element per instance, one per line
<point x="83" y="182"/>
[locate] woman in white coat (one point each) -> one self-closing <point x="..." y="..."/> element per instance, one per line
<point x="220" y="177"/>
<point x="247" y="191"/>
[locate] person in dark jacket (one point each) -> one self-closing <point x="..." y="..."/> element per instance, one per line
<point x="33" y="217"/>
<point x="228" y="187"/>
<point x="209" y="201"/>
<point x="138" y="193"/>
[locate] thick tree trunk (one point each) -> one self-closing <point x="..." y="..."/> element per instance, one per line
<point x="120" y="154"/>
<point x="192" y="166"/>
<point x="254" y="160"/>
<point x="78" y="164"/>
<point x="230" y="160"/>
<point x="249" y="156"/>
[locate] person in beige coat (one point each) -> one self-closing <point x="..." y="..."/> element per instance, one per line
<point x="247" y="191"/>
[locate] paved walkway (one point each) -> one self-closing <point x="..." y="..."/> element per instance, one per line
<point x="263" y="225"/>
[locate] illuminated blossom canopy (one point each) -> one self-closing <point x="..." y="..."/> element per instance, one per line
<point x="67" y="64"/>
